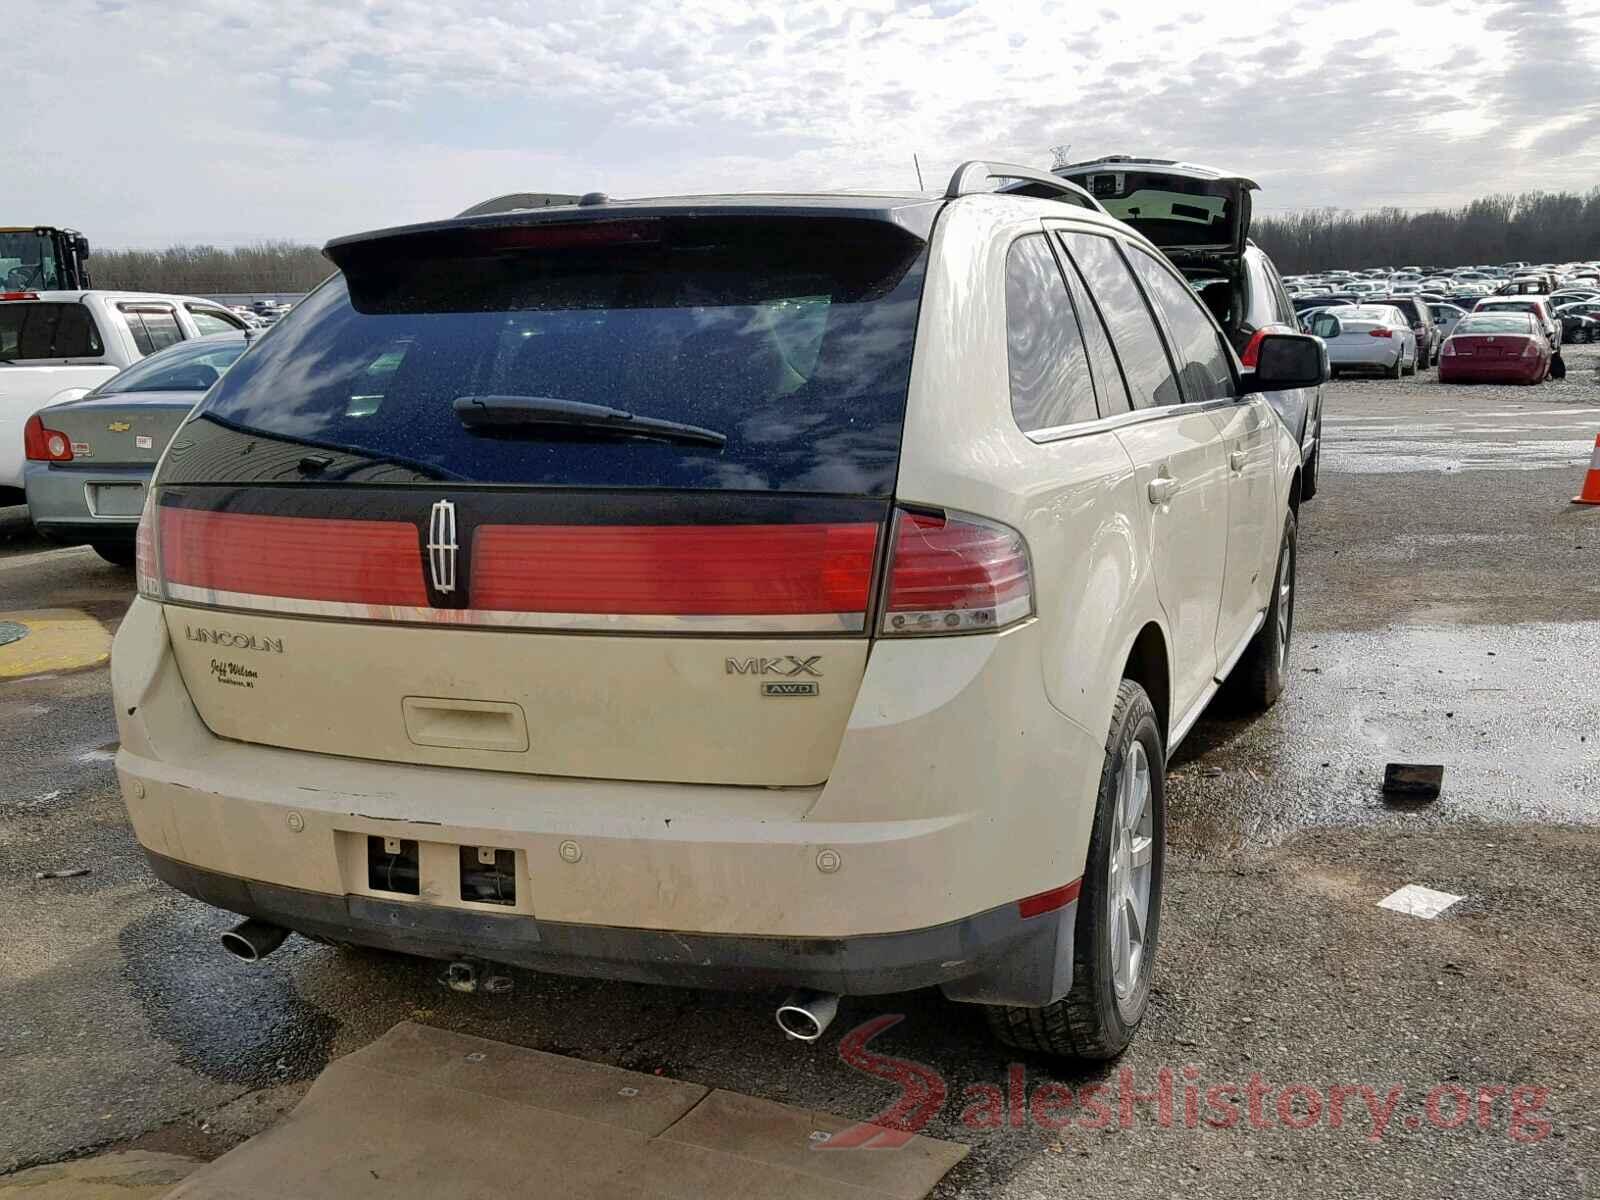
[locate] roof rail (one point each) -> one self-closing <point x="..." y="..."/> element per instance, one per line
<point x="972" y="177"/>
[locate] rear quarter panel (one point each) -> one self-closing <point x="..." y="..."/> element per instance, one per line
<point x="1073" y="500"/>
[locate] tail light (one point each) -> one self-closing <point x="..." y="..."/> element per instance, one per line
<point x="1383" y="333"/>
<point x="1530" y="349"/>
<point x="255" y="559"/>
<point x="146" y="566"/>
<point x="798" y="575"/>
<point x="1448" y="349"/>
<point x="1252" y="350"/>
<point x="950" y="574"/>
<point x="19" y="295"/>
<point x="41" y="444"/>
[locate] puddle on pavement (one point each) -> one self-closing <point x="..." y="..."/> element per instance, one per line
<point x="1511" y="711"/>
<point x="231" y="1021"/>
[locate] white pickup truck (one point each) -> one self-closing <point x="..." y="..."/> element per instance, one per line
<point x="57" y="345"/>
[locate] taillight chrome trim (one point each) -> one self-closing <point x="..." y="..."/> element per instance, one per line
<point x="701" y="625"/>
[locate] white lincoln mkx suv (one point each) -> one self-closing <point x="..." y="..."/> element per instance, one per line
<point x="737" y="591"/>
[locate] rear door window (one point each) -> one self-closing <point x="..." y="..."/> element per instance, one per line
<point x="1197" y="343"/>
<point x="792" y="337"/>
<point x="212" y="320"/>
<point x="47" y="330"/>
<point x="1151" y="379"/>
<point x="153" y="326"/>
<point x="1050" y="381"/>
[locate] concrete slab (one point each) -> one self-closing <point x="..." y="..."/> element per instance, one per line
<point x="423" y="1112"/>
<point x="129" y="1175"/>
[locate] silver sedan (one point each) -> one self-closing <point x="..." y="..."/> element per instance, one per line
<point x="1367" y="337"/>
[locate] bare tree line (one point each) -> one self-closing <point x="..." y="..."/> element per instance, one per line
<point x="1535" y="227"/>
<point x="202" y="270"/>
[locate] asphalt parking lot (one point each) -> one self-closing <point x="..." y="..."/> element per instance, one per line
<point x="1449" y="612"/>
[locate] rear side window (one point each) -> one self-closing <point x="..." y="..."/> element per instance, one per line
<point x="47" y="330"/>
<point x="211" y="320"/>
<point x="1197" y="343"/>
<point x="1151" y="381"/>
<point x="1261" y="302"/>
<point x="154" y="327"/>
<point x="790" y="336"/>
<point x="1050" y="382"/>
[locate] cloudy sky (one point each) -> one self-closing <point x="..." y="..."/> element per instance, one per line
<point x="144" y="123"/>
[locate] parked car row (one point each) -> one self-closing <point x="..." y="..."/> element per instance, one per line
<point x="1397" y="334"/>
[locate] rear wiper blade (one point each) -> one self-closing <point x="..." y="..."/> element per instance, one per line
<point x="504" y="413"/>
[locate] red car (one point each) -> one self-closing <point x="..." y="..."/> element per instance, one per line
<point x="1502" y="347"/>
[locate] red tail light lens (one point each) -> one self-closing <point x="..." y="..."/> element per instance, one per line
<point x="302" y="558"/>
<point x="950" y="574"/>
<point x="1531" y="349"/>
<point x="1252" y="350"/>
<point x="42" y="444"/>
<point x="668" y="570"/>
<point x="1383" y="333"/>
<point x="1449" y="349"/>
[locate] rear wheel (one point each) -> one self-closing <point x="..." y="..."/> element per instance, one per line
<point x="1119" y="907"/>
<point x="1399" y="369"/>
<point x="119" y="554"/>
<point x="1258" y="679"/>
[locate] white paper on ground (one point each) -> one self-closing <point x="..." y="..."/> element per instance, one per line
<point x="1418" y="901"/>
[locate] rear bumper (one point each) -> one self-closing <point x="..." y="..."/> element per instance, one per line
<point x="903" y="870"/>
<point x="1453" y="371"/>
<point x="58" y="502"/>
<point x="1364" y="358"/>
<point x="993" y="954"/>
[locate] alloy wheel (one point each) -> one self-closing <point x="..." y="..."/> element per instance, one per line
<point x="1132" y="865"/>
<point x="1285" y="602"/>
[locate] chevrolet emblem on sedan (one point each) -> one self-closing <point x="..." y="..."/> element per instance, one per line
<point x="119" y="427"/>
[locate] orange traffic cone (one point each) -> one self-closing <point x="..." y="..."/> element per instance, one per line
<point x="1591" y="482"/>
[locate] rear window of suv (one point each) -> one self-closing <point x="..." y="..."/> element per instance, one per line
<point x="791" y="337"/>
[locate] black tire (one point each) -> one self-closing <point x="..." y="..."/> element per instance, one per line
<point x="1258" y="678"/>
<point x="1558" y="367"/>
<point x="118" y="554"/>
<point x="1090" y="1021"/>
<point x="1398" y="371"/>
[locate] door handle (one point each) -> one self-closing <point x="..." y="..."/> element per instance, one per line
<point x="1162" y="489"/>
<point x="1236" y="461"/>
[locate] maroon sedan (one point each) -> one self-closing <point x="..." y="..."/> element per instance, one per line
<point x="1502" y="347"/>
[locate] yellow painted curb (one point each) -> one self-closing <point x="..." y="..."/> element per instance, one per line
<point x="131" y="1175"/>
<point x="59" y="639"/>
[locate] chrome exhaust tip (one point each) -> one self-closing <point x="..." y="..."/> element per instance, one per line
<point x="806" y="1015"/>
<point x="253" y="940"/>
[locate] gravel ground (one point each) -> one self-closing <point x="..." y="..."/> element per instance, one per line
<point x="1448" y="611"/>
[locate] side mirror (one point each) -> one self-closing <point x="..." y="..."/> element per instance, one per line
<point x="81" y="245"/>
<point x="1285" y="361"/>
